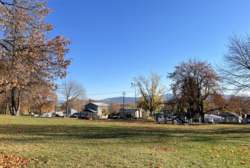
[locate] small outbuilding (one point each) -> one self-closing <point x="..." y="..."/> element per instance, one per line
<point x="137" y="113"/>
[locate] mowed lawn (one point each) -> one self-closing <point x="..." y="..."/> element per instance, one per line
<point x="58" y="142"/>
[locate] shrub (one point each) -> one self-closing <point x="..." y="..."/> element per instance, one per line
<point x="105" y="112"/>
<point x="88" y="117"/>
<point x="110" y="117"/>
<point x="149" y="119"/>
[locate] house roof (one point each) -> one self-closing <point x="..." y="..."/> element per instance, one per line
<point x="99" y="104"/>
<point x="91" y="110"/>
<point x="128" y="110"/>
<point x="228" y="114"/>
<point x="213" y="116"/>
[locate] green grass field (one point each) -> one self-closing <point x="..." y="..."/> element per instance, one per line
<point x="57" y="142"/>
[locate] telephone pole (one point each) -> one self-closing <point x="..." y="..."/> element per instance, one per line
<point x="123" y="93"/>
<point x="133" y="85"/>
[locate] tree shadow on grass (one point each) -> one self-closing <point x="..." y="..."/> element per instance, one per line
<point x="36" y="132"/>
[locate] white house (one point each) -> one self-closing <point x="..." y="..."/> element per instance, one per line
<point x="230" y="117"/>
<point x="215" y="119"/>
<point x="94" y="109"/>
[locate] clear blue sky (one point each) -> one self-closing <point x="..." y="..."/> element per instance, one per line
<point x="116" y="40"/>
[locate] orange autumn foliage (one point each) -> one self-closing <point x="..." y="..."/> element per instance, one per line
<point x="27" y="55"/>
<point x="7" y="160"/>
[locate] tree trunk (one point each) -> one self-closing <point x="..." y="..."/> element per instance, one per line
<point x="10" y="108"/>
<point x="151" y="113"/>
<point x="156" y="118"/>
<point x="19" y="104"/>
<point x="6" y="108"/>
<point x="202" y="117"/>
<point x="18" y="110"/>
<point x="6" y="103"/>
<point x="67" y="106"/>
<point x="40" y="110"/>
<point x="15" y="104"/>
<point x="202" y="114"/>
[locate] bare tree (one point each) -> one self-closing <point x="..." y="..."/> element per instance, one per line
<point x="235" y="68"/>
<point x="71" y="90"/>
<point x="77" y="104"/>
<point x="152" y="92"/>
<point x="114" y="107"/>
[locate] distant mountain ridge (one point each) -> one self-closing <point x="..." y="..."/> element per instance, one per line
<point x="119" y="100"/>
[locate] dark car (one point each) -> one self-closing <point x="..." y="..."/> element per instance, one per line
<point x="75" y="115"/>
<point x="82" y="115"/>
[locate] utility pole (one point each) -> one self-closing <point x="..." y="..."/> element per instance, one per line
<point x="55" y="107"/>
<point x="123" y="93"/>
<point x="133" y="85"/>
<point x="135" y="98"/>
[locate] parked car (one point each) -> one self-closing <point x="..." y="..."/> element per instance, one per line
<point x="82" y="115"/>
<point x="75" y="115"/>
<point x="57" y="115"/>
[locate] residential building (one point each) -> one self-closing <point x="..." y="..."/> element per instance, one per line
<point x="130" y="113"/>
<point x="230" y="117"/>
<point x="94" y="109"/>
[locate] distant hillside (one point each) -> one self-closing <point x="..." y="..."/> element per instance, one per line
<point x="119" y="100"/>
<point x="61" y="101"/>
